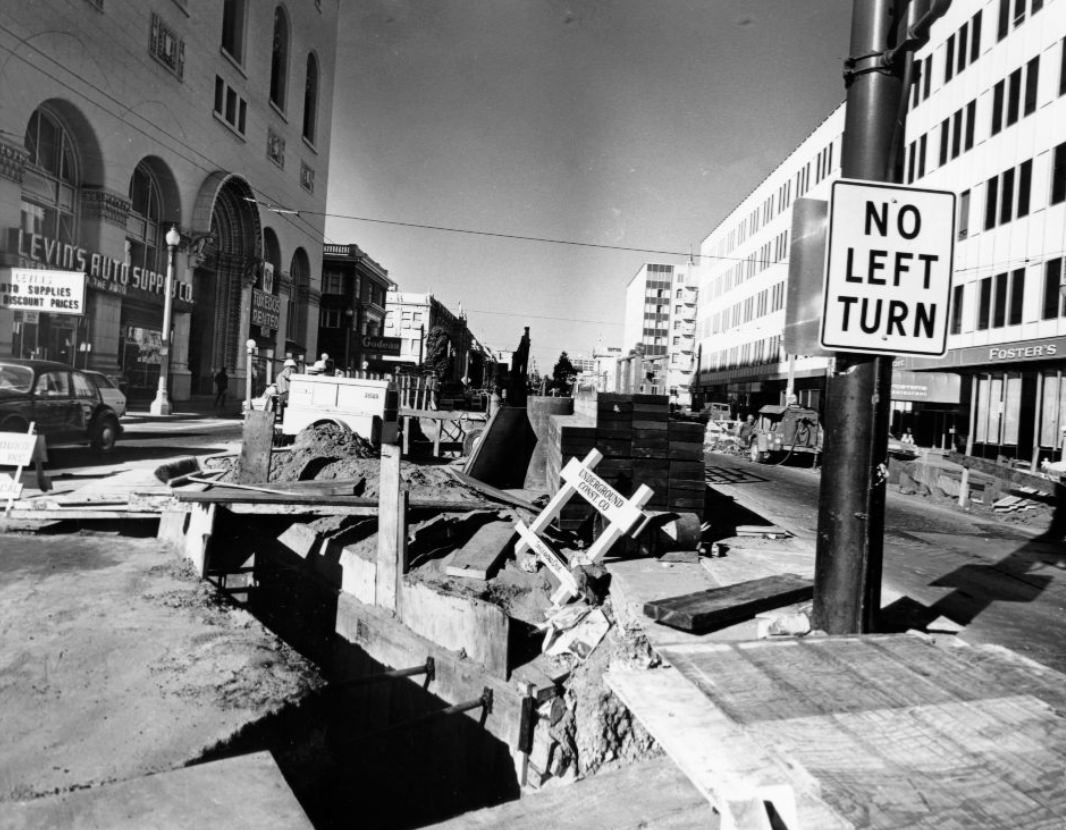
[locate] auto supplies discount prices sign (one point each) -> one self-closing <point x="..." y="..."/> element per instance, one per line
<point x="54" y="292"/>
<point x="889" y="260"/>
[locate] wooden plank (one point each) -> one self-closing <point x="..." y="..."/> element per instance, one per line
<point x="490" y="491"/>
<point x="257" y="439"/>
<point x="313" y="500"/>
<point x="244" y="791"/>
<point x="480" y="557"/>
<point x="733" y="771"/>
<point x="387" y="640"/>
<point x="893" y="720"/>
<point x="392" y="528"/>
<point x="77" y="514"/>
<point x="651" y="794"/>
<point x="718" y="607"/>
<point x="458" y="623"/>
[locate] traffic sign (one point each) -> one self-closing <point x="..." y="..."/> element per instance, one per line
<point x="888" y="269"/>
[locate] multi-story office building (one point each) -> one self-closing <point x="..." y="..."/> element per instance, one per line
<point x="124" y="118"/>
<point x="660" y="318"/>
<point x="352" y="309"/>
<point x="412" y="317"/>
<point x="986" y="120"/>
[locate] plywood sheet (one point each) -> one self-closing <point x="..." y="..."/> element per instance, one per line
<point x="881" y="731"/>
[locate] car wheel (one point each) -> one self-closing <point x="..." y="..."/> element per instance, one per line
<point x="105" y="433"/>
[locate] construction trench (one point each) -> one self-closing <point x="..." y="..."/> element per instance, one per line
<point x="399" y="580"/>
<point x="501" y="639"/>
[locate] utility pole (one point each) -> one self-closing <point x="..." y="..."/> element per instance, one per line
<point x="851" y="511"/>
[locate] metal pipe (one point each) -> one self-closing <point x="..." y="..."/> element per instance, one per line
<point x="847" y="581"/>
<point x="917" y="35"/>
<point x="429" y="669"/>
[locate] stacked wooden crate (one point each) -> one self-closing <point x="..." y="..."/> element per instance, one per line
<point x="687" y="484"/>
<point x="640" y="445"/>
<point x="569" y="436"/>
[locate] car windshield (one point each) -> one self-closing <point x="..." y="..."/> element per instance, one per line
<point x="15" y="378"/>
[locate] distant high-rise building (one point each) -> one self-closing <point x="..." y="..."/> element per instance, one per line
<point x="660" y="321"/>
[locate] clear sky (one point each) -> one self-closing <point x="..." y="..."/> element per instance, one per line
<point x="631" y="123"/>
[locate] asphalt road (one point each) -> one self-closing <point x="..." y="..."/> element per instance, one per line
<point x="996" y="579"/>
<point x="146" y="442"/>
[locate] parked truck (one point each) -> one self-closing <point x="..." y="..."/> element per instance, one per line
<point x="790" y="430"/>
<point x="367" y="407"/>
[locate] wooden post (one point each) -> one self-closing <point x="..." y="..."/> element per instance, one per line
<point x="392" y="529"/>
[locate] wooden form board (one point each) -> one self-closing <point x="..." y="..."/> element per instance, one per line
<point x="876" y="731"/>
<point x="718" y="607"/>
<point x="257" y="440"/>
<point x="480" y="557"/>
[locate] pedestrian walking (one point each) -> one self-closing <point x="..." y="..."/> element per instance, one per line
<point x="221" y="386"/>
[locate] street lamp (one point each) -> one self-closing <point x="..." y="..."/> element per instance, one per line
<point x="250" y="346"/>
<point x="161" y="404"/>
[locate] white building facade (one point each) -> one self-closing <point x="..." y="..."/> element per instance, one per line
<point x="987" y="121"/>
<point x="660" y="319"/>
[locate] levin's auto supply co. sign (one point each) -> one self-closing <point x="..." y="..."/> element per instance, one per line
<point x="888" y="269"/>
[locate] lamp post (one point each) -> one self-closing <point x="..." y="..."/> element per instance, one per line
<point x="161" y="404"/>
<point x="250" y="346"/>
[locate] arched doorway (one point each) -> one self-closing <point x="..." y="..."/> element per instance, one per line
<point x="226" y="225"/>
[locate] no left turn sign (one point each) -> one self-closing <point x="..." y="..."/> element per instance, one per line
<point x="889" y="262"/>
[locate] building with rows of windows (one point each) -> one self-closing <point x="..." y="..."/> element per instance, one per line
<point x="660" y="323"/>
<point x="124" y="118"/>
<point x="986" y="120"/>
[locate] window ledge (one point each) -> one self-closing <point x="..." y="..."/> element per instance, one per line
<point x="229" y="126"/>
<point x="309" y="144"/>
<point x="236" y="64"/>
<point x="278" y="111"/>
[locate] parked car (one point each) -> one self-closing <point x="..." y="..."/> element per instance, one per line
<point x="109" y="391"/>
<point x="786" y="430"/>
<point x="64" y="403"/>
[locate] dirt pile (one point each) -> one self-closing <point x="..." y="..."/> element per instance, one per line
<point x="327" y="453"/>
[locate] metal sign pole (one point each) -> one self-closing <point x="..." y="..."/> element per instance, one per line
<point x="847" y="580"/>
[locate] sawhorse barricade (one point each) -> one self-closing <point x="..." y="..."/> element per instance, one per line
<point x="622" y="516"/>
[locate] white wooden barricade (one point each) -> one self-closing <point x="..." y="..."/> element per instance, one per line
<point x="16" y="450"/>
<point x="622" y="515"/>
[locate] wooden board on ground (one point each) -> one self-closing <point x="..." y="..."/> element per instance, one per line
<point x="874" y="731"/>
<point x="246" y="791"/>
<point x="480" y="557"/>
<point x="257" y="439"/>
<point x="652" y="794"/>
<point x="718" y="607"/>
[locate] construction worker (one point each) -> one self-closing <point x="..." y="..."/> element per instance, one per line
<point x="281" y="386"/>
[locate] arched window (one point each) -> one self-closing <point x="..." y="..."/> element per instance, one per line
<point x="311" y="98"/>
<point x="300" y="272"/>
<point x="143" y="229"/>
<point x="272" y="261"/>
<point x="233" y="28"/>
<point x="50" y="181"/>
<point x="279" y="58"/>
